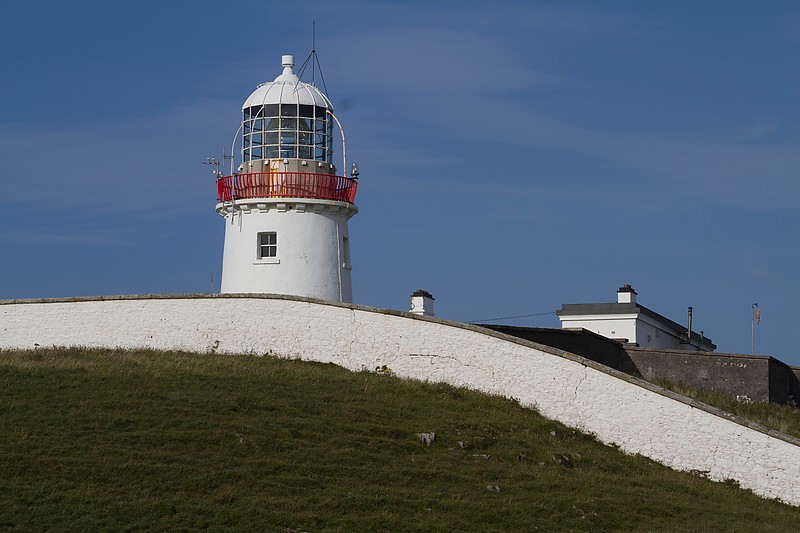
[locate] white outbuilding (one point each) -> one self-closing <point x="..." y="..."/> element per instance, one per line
<point x="286" y="209"/>
<point x="633" y="324"/>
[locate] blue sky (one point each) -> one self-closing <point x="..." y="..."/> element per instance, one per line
<point x="513" y="158"/>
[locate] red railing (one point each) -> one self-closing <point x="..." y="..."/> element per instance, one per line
<point x="286" y="185"/>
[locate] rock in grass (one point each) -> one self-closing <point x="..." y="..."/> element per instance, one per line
<point x="427" y="438"/>
<point x="563" y="460"/>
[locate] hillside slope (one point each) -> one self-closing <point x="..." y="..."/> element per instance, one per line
<point x="173" y="441"/>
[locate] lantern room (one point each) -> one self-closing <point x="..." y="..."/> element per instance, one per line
<point x="287" y="119"/>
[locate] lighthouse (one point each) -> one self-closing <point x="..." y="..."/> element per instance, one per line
<point x="286" y="208"/>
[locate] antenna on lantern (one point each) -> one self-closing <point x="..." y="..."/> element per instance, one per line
<point x="313" y="48"/>
<point x="314" y="58"/>
<point x="226" y="157"/>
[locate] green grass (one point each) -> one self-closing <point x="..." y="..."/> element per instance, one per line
<point x="104" y="440"/>
<point x="783" y="418"/>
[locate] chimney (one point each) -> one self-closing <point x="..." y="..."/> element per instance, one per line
<point x="422" y="303"/>
<point x="626" y="295"/>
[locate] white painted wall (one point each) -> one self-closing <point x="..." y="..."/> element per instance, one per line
<point x="610" y="326"/>
<point x="311" y="259"/>
<point x="637" y="328"/>
<point x="618" y="409"/>
<point x="650" y="335"/>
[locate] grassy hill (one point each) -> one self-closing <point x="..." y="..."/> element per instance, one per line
<point x="105" y="440"/>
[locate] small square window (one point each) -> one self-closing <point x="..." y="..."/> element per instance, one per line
<point x="267" y="245"/>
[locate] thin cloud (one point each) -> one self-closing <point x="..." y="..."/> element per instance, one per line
<point x="150" y="162"/>
<point x="83" y="237"/>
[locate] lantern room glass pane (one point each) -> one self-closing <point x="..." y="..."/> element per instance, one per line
<point x="304" y="124"/>
<point x="288" y="137"/>
<point x="288" y="110"/>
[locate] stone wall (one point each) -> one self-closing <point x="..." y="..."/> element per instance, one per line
<point x="784" y="386"/>
<point x="749" y="378"/>
<point x="618" y="409"/>
<point x="744" y="377"/>
<point x="795" y="390"/>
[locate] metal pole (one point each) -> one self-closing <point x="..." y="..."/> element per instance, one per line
<point x="753" y="329"/>
<point x="344" y="144"/>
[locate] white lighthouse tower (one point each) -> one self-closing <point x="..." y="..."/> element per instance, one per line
<point x="286" y="209"/>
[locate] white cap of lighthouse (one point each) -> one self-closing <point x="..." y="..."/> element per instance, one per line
<point x="286" y="209"/>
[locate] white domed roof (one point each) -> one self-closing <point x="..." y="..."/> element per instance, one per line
<point x="287" y="89"/>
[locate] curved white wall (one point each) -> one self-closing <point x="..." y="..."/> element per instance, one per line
<point x="311" y="259"/>
<point x="630" y="413"/>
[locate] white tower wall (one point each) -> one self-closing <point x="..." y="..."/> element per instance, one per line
<point x="312" y="249"/>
